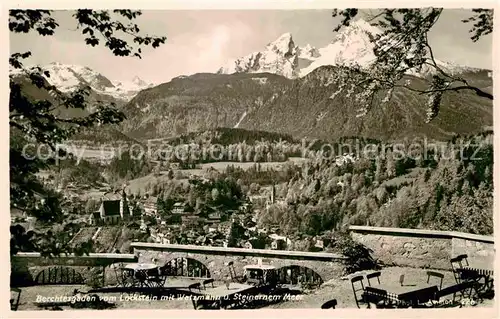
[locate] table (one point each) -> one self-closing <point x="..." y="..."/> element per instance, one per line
<point x="222" y="291"/>
<point x="140" y="266"/>
<point x="140" y="272"/>
<point x="480" y="271"/>
<point x="417" y="296"/>
<point x="404" y="296"/>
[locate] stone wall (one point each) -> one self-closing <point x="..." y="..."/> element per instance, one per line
<point x="479" y="252"/>
<point x="391" y="246"/>
<point x="424" y="248"/>
<point x="328" y="266"/>
<point x="26" y="266"/>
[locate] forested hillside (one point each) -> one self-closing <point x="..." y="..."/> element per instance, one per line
<point x="443" y="192"/>
<point x="312" y="107"/>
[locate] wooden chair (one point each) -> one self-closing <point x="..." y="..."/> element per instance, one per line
<point x="208" y="282"/>
<point x="118" y="269"/>
<point x="158" y="277"/>
<point x="458" y="262"/>
<point x="360" y="288"/>
<point x="124" y="277"/>
<point x="438" y="275"/>
<point x="464" y="258"/>
<point x="402" y="280"/>
<point x="232" y="273"/>
<point x="330" y="304"/>
<point x="373" y="275"/>
<point x="14" y="302"/>
<point x="141" y="277"/>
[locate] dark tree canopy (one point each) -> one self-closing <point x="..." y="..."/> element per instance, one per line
<point x="33" y="117"/>
<point x="403" y="45"/>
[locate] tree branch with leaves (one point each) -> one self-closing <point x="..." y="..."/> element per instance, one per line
<point x="402" y="47"/>
<point x="33" y="119"/>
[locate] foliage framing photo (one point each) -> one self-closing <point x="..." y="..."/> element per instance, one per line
<point x="34" y="120"/>
<point x="403" y="46"/>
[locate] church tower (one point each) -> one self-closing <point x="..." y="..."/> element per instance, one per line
<point x="273" y="194"/>
<point x="124" y="210"/>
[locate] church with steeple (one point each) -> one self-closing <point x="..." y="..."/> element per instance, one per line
<point x="114" y="208"/>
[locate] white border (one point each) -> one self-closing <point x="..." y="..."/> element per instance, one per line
<point x="241" y="4"/>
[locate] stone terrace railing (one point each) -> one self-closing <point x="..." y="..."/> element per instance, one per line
<point x="216" y="259"/>
<point x="215" y="250"/>
<point x="424" y="248"/>
<point x="391" y="246"/>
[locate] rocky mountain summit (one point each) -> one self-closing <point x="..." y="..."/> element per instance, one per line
<point x="350" y="46"/>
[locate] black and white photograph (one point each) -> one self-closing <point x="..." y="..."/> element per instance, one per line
<point x="251" y="159"/>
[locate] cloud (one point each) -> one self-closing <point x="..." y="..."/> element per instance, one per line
<point x="210" y="50"/>
<point x="188" y="53"/>
<point x="202" y="41"/>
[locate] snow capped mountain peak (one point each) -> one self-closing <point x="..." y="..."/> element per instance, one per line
<point x="454" y="68"/>
<point x="287" y="36"/>
<point x="308" y="52"/>
<point x="283" y="44"/>
<point x="279" y="57"/>
<point x="352" y="45"/>
<point x="129" y="89"/>
<point x="139" y="82"/>
<point x="69" y="77"/>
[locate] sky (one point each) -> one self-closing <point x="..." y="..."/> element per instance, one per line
<point x="202" y="41"/>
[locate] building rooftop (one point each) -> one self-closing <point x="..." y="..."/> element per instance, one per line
<point x="111" y="207"/>
<point x="111" y="196"/>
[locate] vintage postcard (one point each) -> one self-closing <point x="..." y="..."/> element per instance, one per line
<point x="243" y="159"/>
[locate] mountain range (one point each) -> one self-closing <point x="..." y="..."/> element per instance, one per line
<point x="304" y="108"/>
<point x="284" y="88"/>
<point x="68" y="77"/>
<point x="350" y="46"/>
